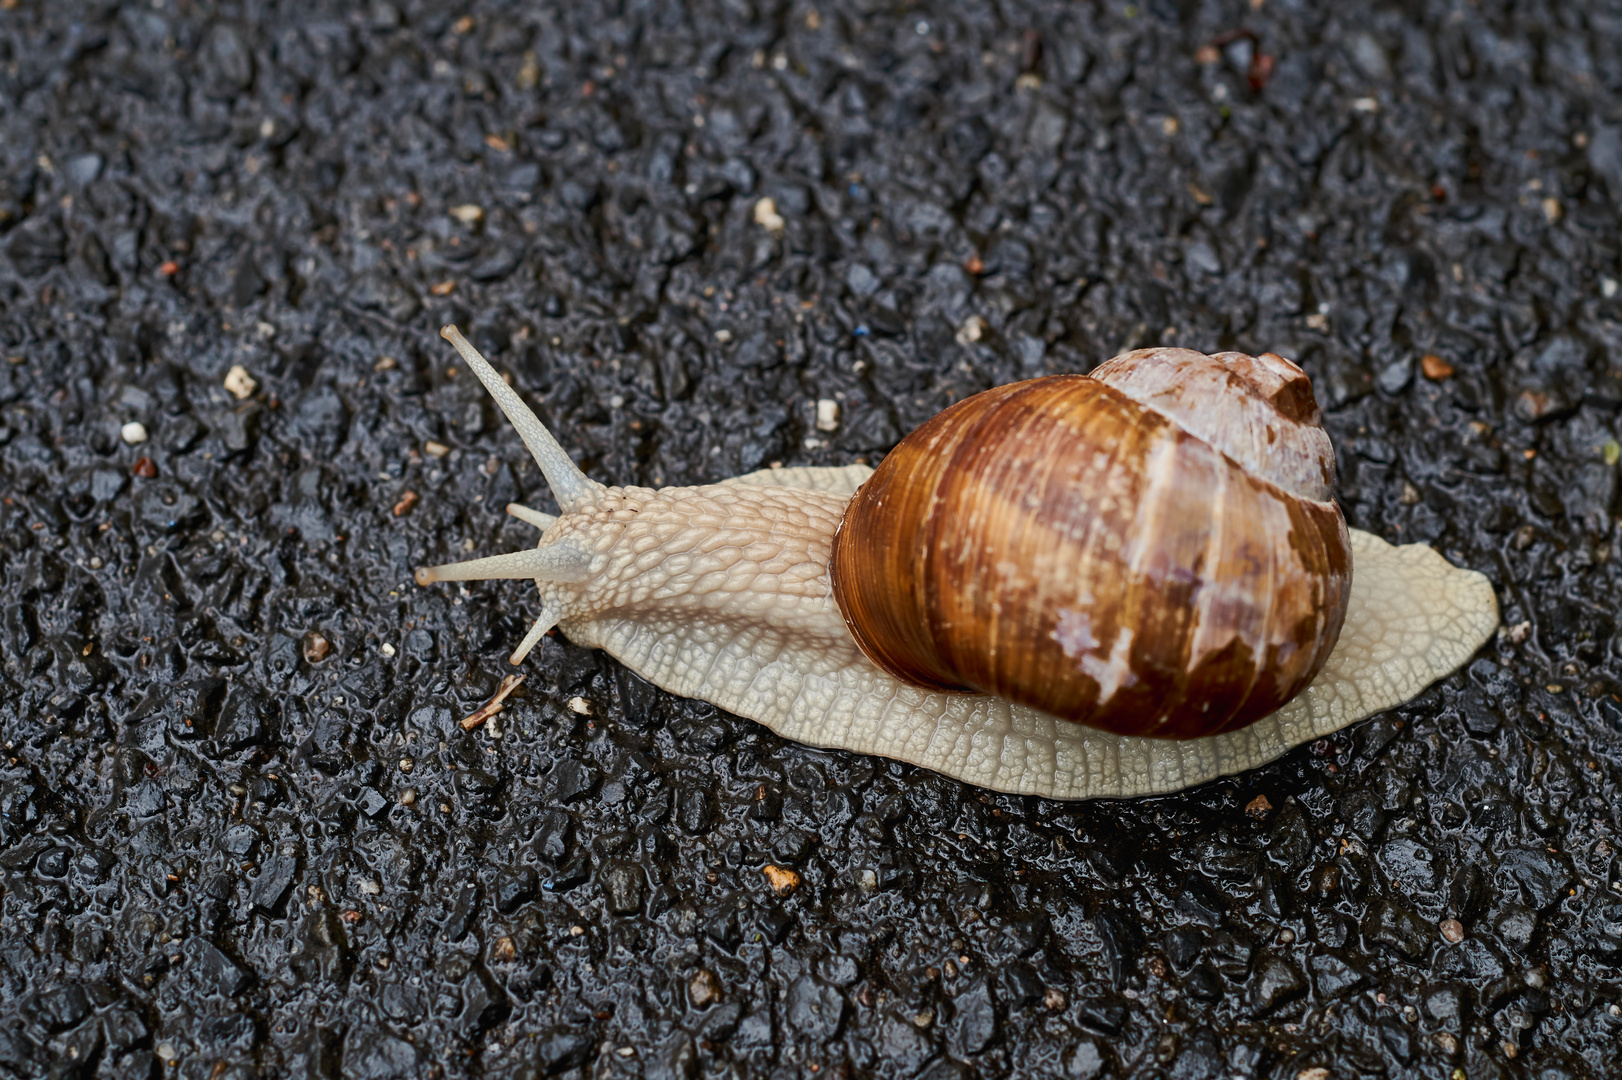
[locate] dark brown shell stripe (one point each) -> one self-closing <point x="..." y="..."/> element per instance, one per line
<point x="1056" y="543"/>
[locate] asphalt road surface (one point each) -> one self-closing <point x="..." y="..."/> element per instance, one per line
<point x="242" y="832"/>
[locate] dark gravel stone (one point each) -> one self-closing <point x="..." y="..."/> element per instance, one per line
<point x="375" y="1052"/>
<point x="554" y="834"/>
<point x="1275" y="982"/>
<point x="53" y="862"/>
<point x="1604" y="930"/>
<point x="675" y="1059"/>
<point x="974" y="1021"/>
<point x="516" y="887"/>
<point x="1516" y="927"/>
<point x="573" y="781"/>
<point x="1332" y="975"/>
<point x="270" y="888"/>
<point x="559" y="1051"/>
<point x="1542" y="876"/>
<point x="218" y="972"/>
<point x="899" y="1041"/>
<point x="814" y="1008"/>
<point x="1448" y="1006"/>
<point x="1200" y="1058"/>
<point x="1392" y="924"/>
<point x="61" y="1007"/>
<point x="624" y="886"/>
<point x="1019" y="986"/>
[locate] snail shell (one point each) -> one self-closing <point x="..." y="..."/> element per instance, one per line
<point x="1069" y="544"/>
<point x="723" y="592"/>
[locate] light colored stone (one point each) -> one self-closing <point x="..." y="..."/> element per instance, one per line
<point x="767" y="217"/>
<point x="239" y="383"/>
<point x="827" y="414"/>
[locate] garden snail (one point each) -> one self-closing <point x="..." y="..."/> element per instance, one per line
<point x="1152" y="549"/>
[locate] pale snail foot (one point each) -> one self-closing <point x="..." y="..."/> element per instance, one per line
<point x="1412" y="619"/>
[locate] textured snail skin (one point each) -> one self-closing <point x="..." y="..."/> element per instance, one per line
<point x="721" y="592"/>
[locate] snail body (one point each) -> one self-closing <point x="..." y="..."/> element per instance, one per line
<point x="726" y="592"/>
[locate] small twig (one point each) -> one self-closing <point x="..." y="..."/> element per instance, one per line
<point x="494" y="705"/>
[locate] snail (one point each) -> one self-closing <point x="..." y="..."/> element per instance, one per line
<point x="1079" y="586"/>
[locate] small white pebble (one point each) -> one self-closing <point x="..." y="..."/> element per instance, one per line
<point x="626" y="1051"/>
<point x="767" y="217"/>
<point x="827" y="414"/>
<point x="265" y="329"/>
<point x="240" y="383"/>
<point x="1607" y="287"/>
<point x="133" y="433"/>
<point x="1552" y="210"/>
<point x="1615" y="1010"/>
<point x="467" y="213"/>
<point x="267" y="128"/>
<point x="723" y="336"/>
<point x="370" y="887"/>
<point x="577" y="931"/>
<point x="167" y="1052"/>
<point x="435" y="449"/>
<point x="580" y="705"/>
<point x="1366" y="105"/>
<point x="972" y="330"/>
<point x="617" y="401"/>
<point x="388" y="650"/>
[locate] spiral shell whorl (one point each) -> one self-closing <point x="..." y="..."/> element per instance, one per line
<point x="1060" y="544"/>
<point x="1258" y="410"/>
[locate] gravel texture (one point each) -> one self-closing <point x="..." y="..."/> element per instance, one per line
<point x="242" y="832"/>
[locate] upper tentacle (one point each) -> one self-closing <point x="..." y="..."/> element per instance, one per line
<point x="571" y="487"/>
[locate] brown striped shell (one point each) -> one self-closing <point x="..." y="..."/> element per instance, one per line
<point x="1152" y="549"/>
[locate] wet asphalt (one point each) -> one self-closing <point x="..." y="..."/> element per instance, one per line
<point x="242" y="832"/>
